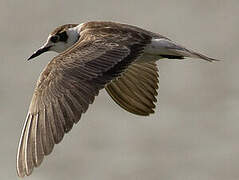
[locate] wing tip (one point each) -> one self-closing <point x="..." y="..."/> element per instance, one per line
<point x="22" y="168"/>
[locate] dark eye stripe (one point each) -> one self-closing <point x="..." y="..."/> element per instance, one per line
<point x="54" y="39"/>
<point x="63" y="36"/>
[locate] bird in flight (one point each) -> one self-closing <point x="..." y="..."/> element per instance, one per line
<point x="94" y="55"/>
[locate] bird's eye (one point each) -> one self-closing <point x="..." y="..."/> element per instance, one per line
<point x="54" y="39"/>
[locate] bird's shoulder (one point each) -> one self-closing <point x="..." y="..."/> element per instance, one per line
<point x="96" y="38"/>
<point x="115" y="27"/>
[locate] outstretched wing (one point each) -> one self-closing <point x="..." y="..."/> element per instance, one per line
<point x="67" y="86"/>
<point x="136" y="89"/>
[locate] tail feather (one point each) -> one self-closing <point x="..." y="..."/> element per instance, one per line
<point x="184" y="52"/>
<point x="171" y="50"/>
<point x="201" y="56"/>
<point x="193" y="54"/>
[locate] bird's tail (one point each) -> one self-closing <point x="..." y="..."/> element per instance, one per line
<point x="169" y="49"/>
<point x="193" y="54"/>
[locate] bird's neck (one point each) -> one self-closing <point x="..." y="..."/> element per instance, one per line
<point x="73" y="34"/>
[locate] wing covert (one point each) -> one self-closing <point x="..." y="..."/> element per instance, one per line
<point x="67" y="86"/>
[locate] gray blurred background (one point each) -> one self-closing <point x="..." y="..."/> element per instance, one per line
<point x="192" y="136"/>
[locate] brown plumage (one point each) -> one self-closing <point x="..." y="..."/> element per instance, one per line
<point x="136" y="89"/>
<point x="116" y="56"/>
<point x="63" y="28"/>
<point x="69" y="84"/>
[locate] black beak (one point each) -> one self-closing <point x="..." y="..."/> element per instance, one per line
<point x="39" y="52"/>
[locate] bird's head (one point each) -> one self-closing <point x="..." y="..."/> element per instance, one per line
<point x="59" y="40"/>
